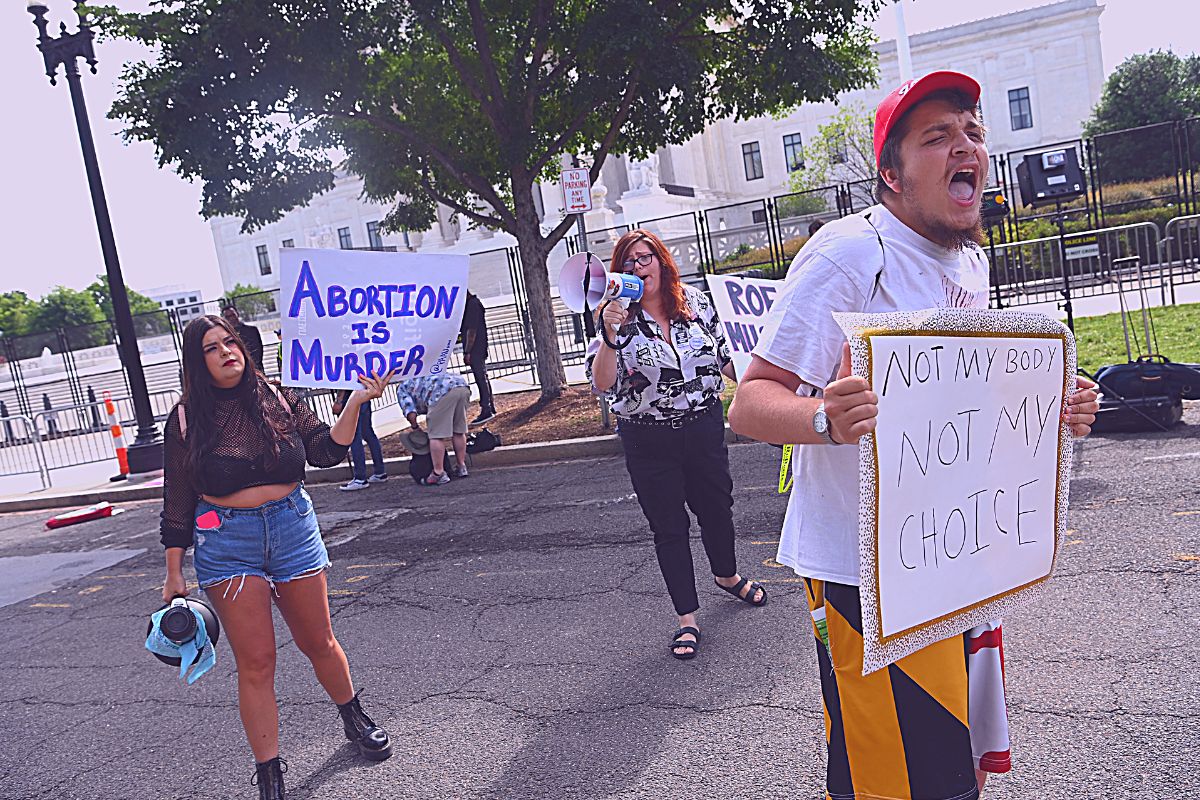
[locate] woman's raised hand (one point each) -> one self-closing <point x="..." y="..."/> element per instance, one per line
<point x="373" y="387"/>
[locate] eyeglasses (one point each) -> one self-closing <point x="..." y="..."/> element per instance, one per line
<point x="643" y="259"/>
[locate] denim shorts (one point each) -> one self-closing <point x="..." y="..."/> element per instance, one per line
<point x="278" y="541"/>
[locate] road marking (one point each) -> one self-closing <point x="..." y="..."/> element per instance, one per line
<point x="772" y="563"/>
<point x="119" y="577"/>
<point x="1173" y="457"/>
<point x="346" y="539"/>
<point x="357" y="578"/>
<point x="782" y="580"/>
<point x="376" y="566"/>
<point x="1185" y="513"/>
<point x="771" y="541"/>
<point x="1187" y="557"/>
<point x="91" y="590"/>
<point x="49" y="605"/>
<point x="342" y="593"/>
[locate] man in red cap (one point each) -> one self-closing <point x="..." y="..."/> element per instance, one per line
<point x="900" y="732"/>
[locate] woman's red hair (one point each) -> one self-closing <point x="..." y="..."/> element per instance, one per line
<point x="674" y="300"/>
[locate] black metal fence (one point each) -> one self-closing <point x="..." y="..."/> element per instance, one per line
<point x="1152" y="171"/>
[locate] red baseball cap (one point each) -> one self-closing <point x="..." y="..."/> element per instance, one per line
<point x="911" y="92"/>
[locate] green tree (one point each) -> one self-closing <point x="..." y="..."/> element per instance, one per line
<point x="1145" y="89"/>
<point x="138" y="303"/>
<point x="250" y="301"/>
<point x="460" y="102"/>
<point x="15" y="311"/>
<point x="843" y="151"/>
<point x="148" y="318"/>
<point x="74" y="310"/>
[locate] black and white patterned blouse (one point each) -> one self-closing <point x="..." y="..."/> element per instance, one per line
<point x="666" y="378"/>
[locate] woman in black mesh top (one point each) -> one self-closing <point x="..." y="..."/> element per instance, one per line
<point x="234" y="469"/>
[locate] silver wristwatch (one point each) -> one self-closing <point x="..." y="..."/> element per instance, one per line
<point x="820" y="423"/>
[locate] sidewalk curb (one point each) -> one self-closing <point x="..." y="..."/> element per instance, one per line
<point x="507" y="456"/>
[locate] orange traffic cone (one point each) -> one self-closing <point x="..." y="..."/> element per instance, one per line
<point x="114" y="426"/>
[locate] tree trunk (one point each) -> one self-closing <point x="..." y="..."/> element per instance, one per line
<point x="537" y="287"/>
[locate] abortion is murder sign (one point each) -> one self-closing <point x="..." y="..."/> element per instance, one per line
<point x="346" y="313"/>
<point x="963" y="485"/>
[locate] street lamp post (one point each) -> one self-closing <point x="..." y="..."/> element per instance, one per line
<point x="145" y="454"/>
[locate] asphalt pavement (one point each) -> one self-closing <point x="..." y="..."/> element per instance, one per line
<point x="511" y="631"/>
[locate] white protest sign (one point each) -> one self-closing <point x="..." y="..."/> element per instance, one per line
<point x="742" y="306"/>
<point x="577" y="190"/>
<point x="964" y="482"/>
<point x="345" y="313"/>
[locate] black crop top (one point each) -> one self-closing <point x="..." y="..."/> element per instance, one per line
<point x="238" y="461"/>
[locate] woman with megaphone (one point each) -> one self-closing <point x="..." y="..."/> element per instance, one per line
<point x="234" y="455"/>
<point x="661" y="361"/>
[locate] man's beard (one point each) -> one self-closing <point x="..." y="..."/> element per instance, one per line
<point x="955" y="238"/>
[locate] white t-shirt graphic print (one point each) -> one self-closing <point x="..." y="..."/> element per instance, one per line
<point x="869" y="262"/>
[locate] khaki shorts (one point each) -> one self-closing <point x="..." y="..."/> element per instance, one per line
<point x="449" y="415"/>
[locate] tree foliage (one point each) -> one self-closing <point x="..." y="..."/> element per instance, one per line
<point x="16" y="309"/>
<point x="138" y="302"/>
<point x="73" y="310"/>
<point x="460" y="102"/>
<point x="1145" y="89"/>
<point x="250" y="301"/>
<point x="843" y="151"/>
<point x="148" y="318"/>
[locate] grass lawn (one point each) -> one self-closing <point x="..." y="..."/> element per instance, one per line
<point x="1101" y="340"/>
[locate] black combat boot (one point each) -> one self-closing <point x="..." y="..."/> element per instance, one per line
<point x="268" y="776"/>
<point x="373" y="741"/>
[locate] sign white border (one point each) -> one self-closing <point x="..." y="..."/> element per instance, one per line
<point x="878" y="650"/>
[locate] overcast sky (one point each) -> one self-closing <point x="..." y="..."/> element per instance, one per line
<point x="46" y="209"/>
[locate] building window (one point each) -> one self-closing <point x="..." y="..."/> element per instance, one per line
<point x="170" y="302"/>
<point x="373" y="237"/>
<point x="344" y="240"/>
<point x="192" y="299"/>
<point x="793" y="152"/>
<point x="752" y="160"/>
<point x="1019" y="108"/>
<point x="264" y="260"/>
<point x="289" y="242"/>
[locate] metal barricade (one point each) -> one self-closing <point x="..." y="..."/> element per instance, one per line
<point x="1032" y="270"/>
<point x="1181" y="251"/>
<point x="21" y="449"/>
<point x="72" y="436"/>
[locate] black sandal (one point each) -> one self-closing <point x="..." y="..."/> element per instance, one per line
<point x="755" y="586"/>
<point x="677" y="643"/>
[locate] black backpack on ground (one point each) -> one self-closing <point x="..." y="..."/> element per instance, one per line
<point x="481" y="441"/>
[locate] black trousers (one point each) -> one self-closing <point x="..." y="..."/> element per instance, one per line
<point x="671" y="467"/>
<point x="479" y="370"/>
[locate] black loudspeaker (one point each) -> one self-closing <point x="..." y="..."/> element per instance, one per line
<point x="1050" y="177"/>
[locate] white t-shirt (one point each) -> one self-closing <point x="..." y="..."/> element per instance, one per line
<point x="868" y="262"/>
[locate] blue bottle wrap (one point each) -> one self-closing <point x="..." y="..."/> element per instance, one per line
<point x="197" y="653"/>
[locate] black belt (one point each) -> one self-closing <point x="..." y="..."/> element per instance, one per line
<point x="673" y="422"/>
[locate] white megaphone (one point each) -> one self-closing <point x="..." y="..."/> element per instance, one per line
<point x="602" y="286"/>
